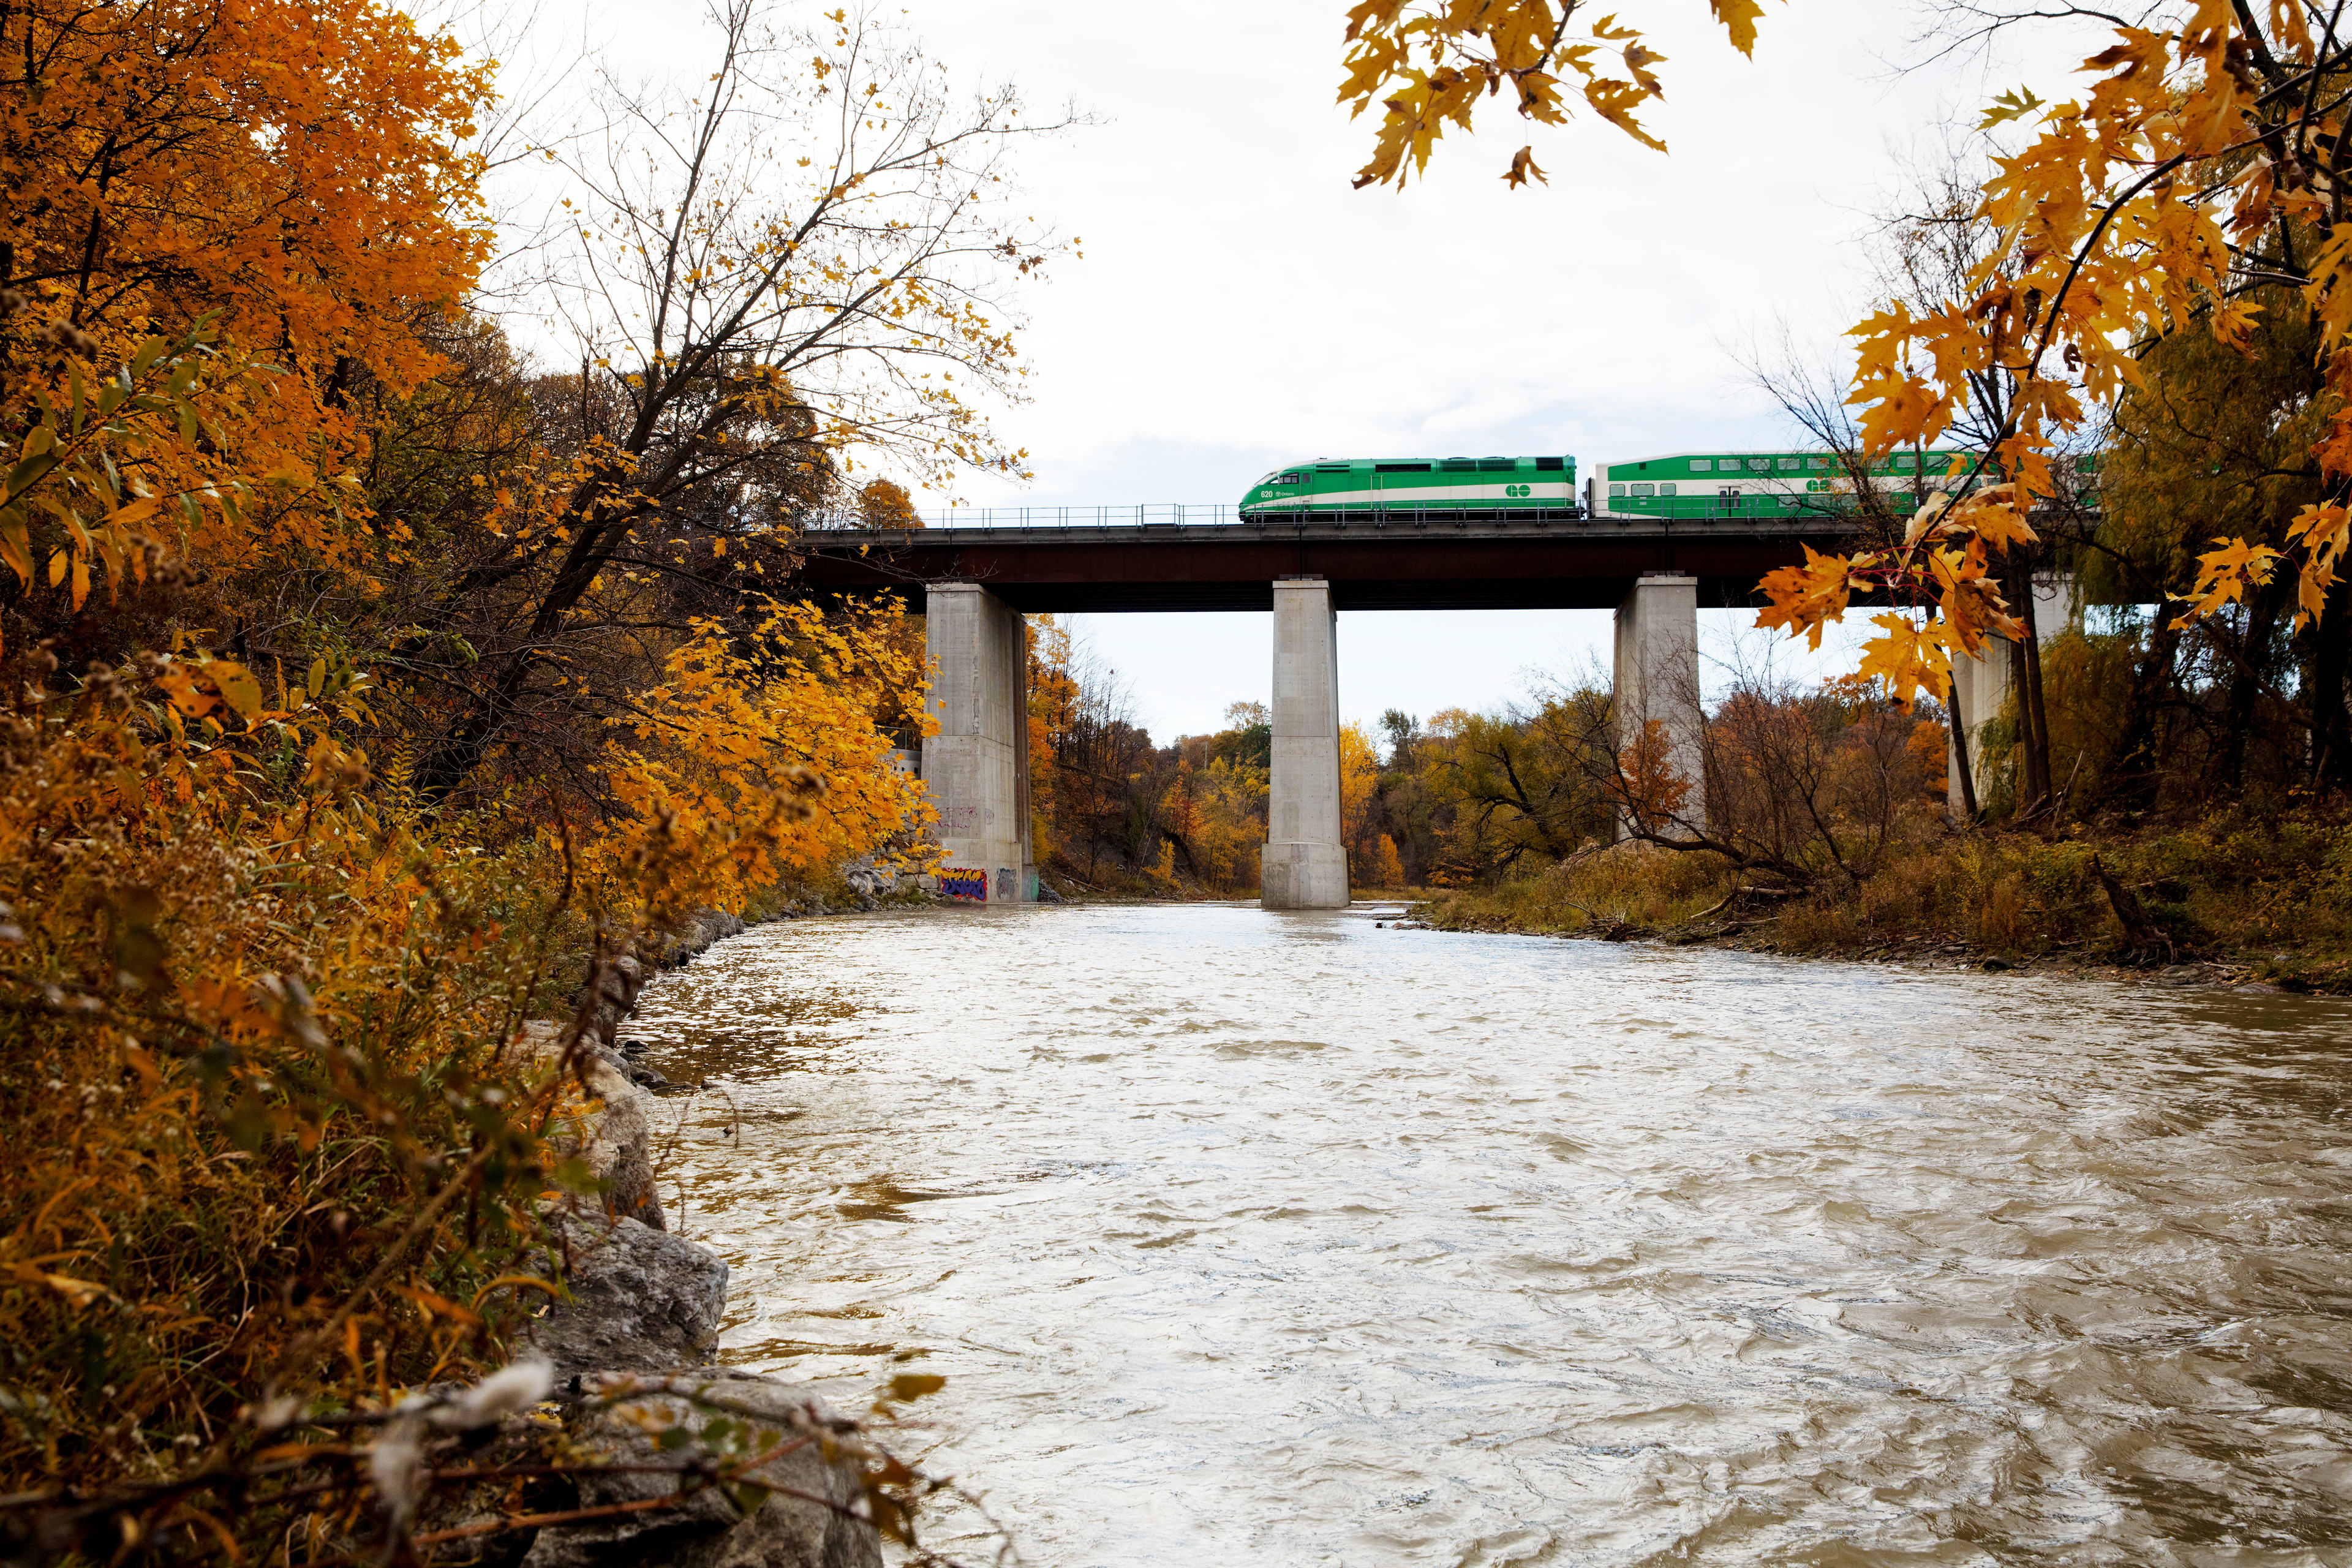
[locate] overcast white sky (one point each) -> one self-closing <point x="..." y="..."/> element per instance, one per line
<point x="1239" y="306"/>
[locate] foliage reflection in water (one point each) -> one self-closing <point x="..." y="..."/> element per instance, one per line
<point x="1288" y="1239"/>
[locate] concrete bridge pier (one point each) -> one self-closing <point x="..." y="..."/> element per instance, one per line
<point x="1656" y="677"/>
<point x="976" y="768"/>
<point x="1303" y="864"/>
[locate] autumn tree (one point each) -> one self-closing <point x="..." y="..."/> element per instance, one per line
<point x="1248" y="734"/>
<point x="1930" y="240"/>
<point x="1096" y="775"/>
<point x="296" y="177"/>
<point x="1412" y="806"/>
<point x="1525" y="787"/>
<point x="2217" y="440"/>
<point x="276" y="503"/>
<point x="1360" y="818"/>
<point x="2197" y="185"/>
<point x="799" y="255"/>
<point x="885" y="503"/>
<point x="1401" y="730"/>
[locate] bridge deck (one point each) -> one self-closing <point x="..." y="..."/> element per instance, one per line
<point x="1517" y="560"/>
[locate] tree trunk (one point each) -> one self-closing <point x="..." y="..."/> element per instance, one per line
<point x="2137" y="775"/>
<point x="461" y="751"/>
<point x="2246" y="681"/>
<point x="2025" y="679"/>
<point x="2141" y="934"/>
<point x="1960" y="751"/>
<point x="2331" y="723"/>
<point x="2040" y="712"/>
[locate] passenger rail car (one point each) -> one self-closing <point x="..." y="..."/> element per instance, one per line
<point x="1700" y="485"/>
<point x="1417" y="485"/>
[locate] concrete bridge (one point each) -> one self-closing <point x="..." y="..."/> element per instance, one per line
<point x="974" y="584"/>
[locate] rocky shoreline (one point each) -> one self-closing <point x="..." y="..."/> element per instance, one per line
<point x="631" y="1351"/>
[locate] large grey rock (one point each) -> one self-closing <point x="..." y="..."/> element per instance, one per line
<point x="707" y="1530"/>
<point x="642" y="1300"/>
<point x="692" y="935"/>
<point x="618" y="981"/>
<point x="618" y="1148"/>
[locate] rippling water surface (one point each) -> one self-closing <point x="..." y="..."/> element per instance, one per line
<point x="1283" y="1239"/>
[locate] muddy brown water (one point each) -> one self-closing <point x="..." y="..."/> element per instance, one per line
<point x="1284" y="1239"/>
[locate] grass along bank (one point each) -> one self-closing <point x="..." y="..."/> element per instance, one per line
<point x="2257" y="896"/>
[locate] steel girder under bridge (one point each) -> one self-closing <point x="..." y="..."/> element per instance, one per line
<point x="1531" y="558"/>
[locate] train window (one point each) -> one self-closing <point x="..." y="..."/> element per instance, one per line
<point x="1550" y="465"/>
<point x="1759" y="465"/>
<point x="1616" y="490"/>
<point x="1287" y="479"/>
<point x="1702" y="465"/>
<point x="1821" y="464"/>
<point x="1790" y="464"/>
<point x="1643" y="489"/>
<point x="1665" y="490"/>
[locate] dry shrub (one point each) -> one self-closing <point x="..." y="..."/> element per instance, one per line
<point x="2001" y="915"/>
<point x="1907" y="894"/>
<point x="273" y="1157"/>
<point x="1628" y="884"/>
<point x="1817" y="925"/>
<point x="1828" y="793"/>
<point x="1641" y="883"/>
<point x="1804" y="786"/>
<point x="249" y="1046"/>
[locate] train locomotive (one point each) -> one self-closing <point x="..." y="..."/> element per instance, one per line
<point x="1346" y="485"/>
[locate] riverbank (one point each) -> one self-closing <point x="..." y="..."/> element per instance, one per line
<point x="626" y="1350"/>
<point x="2238" y="898"/>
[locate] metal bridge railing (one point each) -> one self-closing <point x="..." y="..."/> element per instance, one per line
<point x="1772" y="508"/>
<point x="1170" y="514"/>
<point x="1160" y="514"/>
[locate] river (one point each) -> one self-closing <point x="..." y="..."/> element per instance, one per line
<point x="1289" y="1240"/>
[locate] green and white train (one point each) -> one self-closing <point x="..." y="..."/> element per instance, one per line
<point x="1694" y="485"/>
<point x="1416" y="485"/>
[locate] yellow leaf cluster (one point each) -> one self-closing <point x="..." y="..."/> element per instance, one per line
<point x="1427" y="66"/>
<point x="2200" y="165"/>
<point x="1943" y="567"/>
<point x="725" y="786"/>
